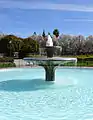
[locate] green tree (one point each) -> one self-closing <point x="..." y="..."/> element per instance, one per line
<point x="49" y="33"/>
<point x="56" y="32"/>
<point x="34" y="33"/>
<point x="10" y="44"/>
<point x="29" y="46"/>
<point x="43" y="34"/>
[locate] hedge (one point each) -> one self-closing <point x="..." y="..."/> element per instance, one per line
<point x="80" y="63"/>
<point x="7" y="59"/>
<point x="5" y="65"/>
<point x="85" y="59"/>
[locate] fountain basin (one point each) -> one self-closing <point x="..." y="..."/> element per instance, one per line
<point x="24" y="95"/>
<point x="50" y="64"/>
<point x="50" y="51"/>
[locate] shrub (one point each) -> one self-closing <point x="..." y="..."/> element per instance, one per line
<point x="7" y="59"/>
<point x="5" y="65"/>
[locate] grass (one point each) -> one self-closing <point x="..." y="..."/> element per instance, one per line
<point x="7" y="64"/>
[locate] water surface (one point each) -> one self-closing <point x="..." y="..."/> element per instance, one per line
<point x="24" y="95"/>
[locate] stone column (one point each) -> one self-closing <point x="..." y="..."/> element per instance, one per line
<point x="49" y="71"/>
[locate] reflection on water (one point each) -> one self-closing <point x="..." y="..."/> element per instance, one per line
<point x="19" y="85"/>
<point x="24" y="85"/>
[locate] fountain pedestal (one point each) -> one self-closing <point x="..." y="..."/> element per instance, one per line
<point x="49" y="70"/>
<point x="50" y="51"/>
<point x="50" y="64"/>
<point x="50" y="73"/>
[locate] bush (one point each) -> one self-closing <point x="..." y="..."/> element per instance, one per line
<point x="7" y="59"/>
<point x="5" y="65"/>
<point x="32" y="56"/>
<point x="7" y="62"/>
<point x="80" y="64"/>
<point x="85" y="59"/>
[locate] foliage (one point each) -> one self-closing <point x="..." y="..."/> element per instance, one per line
<point x="83" y="60"/>
<point x="10" y="43"/>
<point x="16" y="45"/>
<point x="56" y="32"/>
<point x="43" y="34"/>
<point x="81" y="64"/>
<point x="34" y="33"/>
<point x="7" y="59"/>
<point x="76" y="45"/>
<point x="29" y="46"/>
<point x="79" y="56"/>
<point x="36" y="56"/>
<point x="8" y="64"/>
<point x="70" y="45"/>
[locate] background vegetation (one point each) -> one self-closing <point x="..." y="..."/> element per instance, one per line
<point x="72" y="46"/>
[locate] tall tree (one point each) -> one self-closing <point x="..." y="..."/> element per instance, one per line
<point x="43" y="34"/>
<point x="56" y="32"/>
<point x="34" y="33"/>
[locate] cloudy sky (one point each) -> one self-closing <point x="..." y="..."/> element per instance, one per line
<point x="23" y="17"/>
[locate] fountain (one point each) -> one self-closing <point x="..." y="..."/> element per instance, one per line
<point x="49" y="63"/>
<point x="49" y="47"/>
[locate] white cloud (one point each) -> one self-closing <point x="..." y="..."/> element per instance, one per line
<point x="78" y="20"/>
<point x="44" y="5"/>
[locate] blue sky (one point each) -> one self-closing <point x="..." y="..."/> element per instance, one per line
<point x="23" y="17"/>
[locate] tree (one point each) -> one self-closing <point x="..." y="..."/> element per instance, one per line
<point x="29" y="46"/>
<point x="34" y="33"/>
<point x="56" y="32"/>
<point x="88" y="46"/>
<point x="49" y="33"/>
<point x="10" y="44"/>
<point x="43" y="34"/>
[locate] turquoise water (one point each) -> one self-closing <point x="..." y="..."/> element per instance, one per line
<point x="24" y="95"/>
